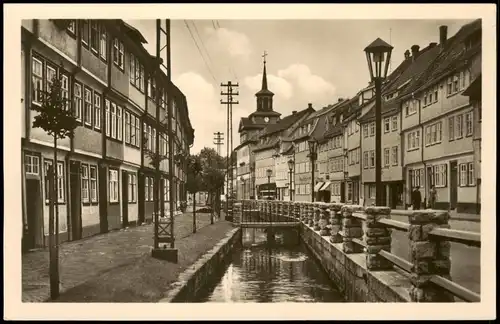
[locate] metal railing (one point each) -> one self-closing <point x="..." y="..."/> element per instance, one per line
<point x="368" y="230"/>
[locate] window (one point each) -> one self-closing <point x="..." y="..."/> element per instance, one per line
<point x="127" y="127"/>
<point x="372" y="159"/>
<point x="394" y="155"/>
<point x="459" y="127"/>
<point x="413" y="140"/>
<point x="113" y="186"/>
<point x="455" y="83"/>
<point x="371" y="191"/>
<point x="462" y="80"/>
<point x="151" y="188"/>
<point x="93" y="184"/>
<point x="372" y="129"/>
<point x="97" y="110"/>
<point x="113" y="120"/>
<point x="387" y="125"/>
<point x="60" y="182"/>
<point x="152" y="88"/>
<point x="37" y="81"/>
<point x="49" y="77"/>
<point x="153" y="140"/>
<point x="411" y="107"/>
<point x="132" y="187"/>
<point x="85" y="32"/>
<point x="31" y="164"/>
<point x="103" y="49"/>
<point x="65" y="90"/>
<point x="471" y="177"/>
<point x="469" y="128"/>
<point x="349" y="191"/>
<point x="440" y="175"/>
<point x="463" y="175"/>
<point x="451" y="128"/>
<point x="146" y="188"/>
<point x="137" y="131"/>
<point x="386" y="157"/>
<point x="88" y="106"/>
<point x="433" y="134"/>
<point x="119" y="123"/>
<point x="78" y="101"/>
<point x="46" y="164"/>
<point x="94" y="36"/>
<point x="436" y="94"/>
<point x="118" y="53"/>
<point x="132" y="69"/>
<point x="85" y="183"/>
<point x="394" y="123"/>
<point x="106" y="117"/>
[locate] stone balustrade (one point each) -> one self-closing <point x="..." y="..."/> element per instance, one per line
<point x="367" y="231"/>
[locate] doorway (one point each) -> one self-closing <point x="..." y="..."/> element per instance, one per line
<point x="76" y="203"/>
<point x="342" y="192"/>
<point x="125" y="198"/>
<point x="33" y="235"/>
<point x="453" y="184"/>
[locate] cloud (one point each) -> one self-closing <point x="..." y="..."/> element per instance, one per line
<point x="236" y="44"/>
<point x="279" y="86"/>
<point x="306" y="81"/>
<point x="205" y="111"/>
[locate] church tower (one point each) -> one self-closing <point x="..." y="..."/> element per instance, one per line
<point x="264" y="96"/>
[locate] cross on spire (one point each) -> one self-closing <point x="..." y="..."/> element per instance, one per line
<point x="264" y="56"/>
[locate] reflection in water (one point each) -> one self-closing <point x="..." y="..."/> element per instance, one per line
<point x="264" y="274"/>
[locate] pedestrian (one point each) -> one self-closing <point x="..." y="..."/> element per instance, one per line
<point x="432" y="197"/>
<point x="416" y="198"/>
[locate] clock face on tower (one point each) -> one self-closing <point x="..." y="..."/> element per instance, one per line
<point x="266" y="119"/>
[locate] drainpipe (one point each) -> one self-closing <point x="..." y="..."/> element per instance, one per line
<point x="401" y="155"/>
<point x="422" y="149"/>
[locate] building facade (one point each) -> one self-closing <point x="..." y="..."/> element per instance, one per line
<point x="104" y="181"/>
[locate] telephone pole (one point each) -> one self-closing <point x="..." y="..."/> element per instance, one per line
<point x="218" y="141"/>
<point x="230" y="94"/>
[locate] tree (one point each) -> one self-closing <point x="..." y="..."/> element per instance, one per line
<point x="56" y="119"/>
<point x="194" y="183"/>
<point x="212" y="175"/>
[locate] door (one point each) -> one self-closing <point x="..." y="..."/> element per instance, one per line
<point x="342" y="192"/>
<point x="76" y="200"/>
<point x="124" y="198"/>
<point x="103" y="199"/>
<point x="453" y="184"/>
<point x="33" y="236"/>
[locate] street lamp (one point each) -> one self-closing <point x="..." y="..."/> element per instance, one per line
<point x="313" y="144"/>
<point x="243" y="181"/>
<point x="269" y="173"/>
<point x="378" y="56"/>
<point x="290" y="170"/>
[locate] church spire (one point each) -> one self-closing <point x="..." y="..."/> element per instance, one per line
<point x="264" y="74"/>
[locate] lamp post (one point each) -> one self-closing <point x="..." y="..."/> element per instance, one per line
<point x="312" y="155"/>
<point x="290" y="171"/>
<point x="252" y="183"/>
<point x="269" y="173"/>
<point x="378" y="56"/>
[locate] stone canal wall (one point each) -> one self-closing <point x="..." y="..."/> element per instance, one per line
<point x="350" y="274"/>
<point x="196" y="276"/>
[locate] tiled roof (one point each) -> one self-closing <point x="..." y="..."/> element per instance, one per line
<point x="474" y="89"/>
<point x="286" y="122"/>
<point x="452" y="56"/>
<point x="388" y="108"/>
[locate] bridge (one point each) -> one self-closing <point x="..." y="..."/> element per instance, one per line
<point x="250" y="214"/>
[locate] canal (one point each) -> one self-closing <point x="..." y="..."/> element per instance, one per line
<point x="263" y="270"/>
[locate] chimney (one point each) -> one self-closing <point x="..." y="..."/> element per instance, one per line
<point x="407" y="54"/>
<point x="309" y="105"/>
<point x="294" y="112"/>
<point x="443" y="34"/>
<point x="431" y="45"/>
<point x="341" y="99"/>
<point x="414" y="51"/>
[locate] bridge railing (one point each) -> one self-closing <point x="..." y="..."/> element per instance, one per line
<point x="368" y="230"/>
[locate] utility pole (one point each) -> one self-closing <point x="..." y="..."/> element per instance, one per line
<point x="218" y="141"/>
<point x="166" y="229"/>
<point x="229" y="102"/>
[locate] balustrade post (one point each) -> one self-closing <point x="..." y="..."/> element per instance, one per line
<point x="377" y="238"/>
<point x="303" y="213"/>
<point x="429" y="257"/>
<point x="310" y="214"/>
<point x="351" y="229"/>
<point x="324" y="220"/>
<point x="335" y="223"/>
<point x="317" y="216"/>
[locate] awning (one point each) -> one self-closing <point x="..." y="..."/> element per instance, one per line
<point x="325" y="186"/>
<point x="317" y="186"/>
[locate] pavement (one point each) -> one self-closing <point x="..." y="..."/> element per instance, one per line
<point x="96" y="268"/>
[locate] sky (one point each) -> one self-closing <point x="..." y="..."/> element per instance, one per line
<point x="308" y="61"/>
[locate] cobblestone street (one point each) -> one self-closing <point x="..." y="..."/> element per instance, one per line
<point x="83" y="260"/>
